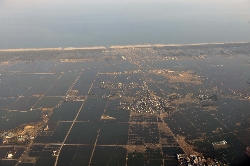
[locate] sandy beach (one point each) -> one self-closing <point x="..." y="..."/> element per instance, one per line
<point x="52" y="49"/>
<point x="113" y="47"/>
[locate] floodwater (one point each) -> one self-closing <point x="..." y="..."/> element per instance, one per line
<point x="95" y="141"/>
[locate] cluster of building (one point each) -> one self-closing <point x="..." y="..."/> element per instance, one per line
<point x="106" y="117"/>
<point x="220" y="144"/>
<point x="11" y="138"/>
<point x="194" y="160"/>
<point x="72" y="95"/>
<point x="6" y="137"/>
<point x="189" y="160"/>
<point x="55" y="153"/>
<point x="11" y="153"/>
<point x="149" y="104"/>
<point x="208" y="97"/>
<point x="119" y="85"/>
<point x="122" y="72"/>
<point x="248" y="151"/>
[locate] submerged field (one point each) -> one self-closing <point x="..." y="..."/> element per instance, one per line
<point x="134" y="106"/>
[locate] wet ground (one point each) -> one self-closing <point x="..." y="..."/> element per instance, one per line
<point x="77" y="131"/>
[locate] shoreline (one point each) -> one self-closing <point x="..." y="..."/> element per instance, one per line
<point x="114" y="47"/>
<point x="171" y="45"/>
<point x="52" y="49"/>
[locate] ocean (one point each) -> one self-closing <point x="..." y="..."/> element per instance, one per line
<point x="38" y="24"/>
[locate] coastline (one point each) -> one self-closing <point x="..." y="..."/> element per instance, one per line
<point x="171" y="45"/>
<point x="115" y="47"/>
<point x="52" y="49"/>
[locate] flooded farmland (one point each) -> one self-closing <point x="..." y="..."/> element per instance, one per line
<point x="126" y="105"/>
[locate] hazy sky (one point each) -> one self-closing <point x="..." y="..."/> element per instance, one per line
<point x="40" y="23"/>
